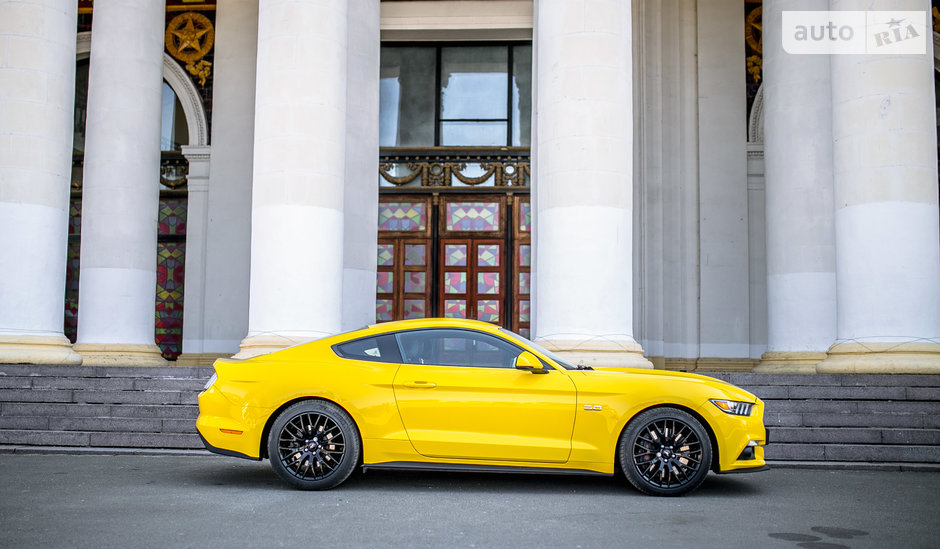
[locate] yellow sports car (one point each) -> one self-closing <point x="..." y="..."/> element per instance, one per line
<point x="470" y="396"/>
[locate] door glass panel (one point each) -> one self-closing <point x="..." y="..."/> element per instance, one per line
<point x="455" y="255"/>
<point x="414" y="308"/>
<point x="488" y="310"/>
<point x="487" y="283"/>
<point x="386" y="255"/>
<point x="524" y="310"/>
<point x="488" y="255"/>
<point x="385" y="282"/>
<point x="525" y="217"/>
<point x="383" y="310"/>
<point x="455" y="283"/>
<point x="524" y="283"/>
<point x="415" y="255"/>
<point x="455" y="308"/>
<point x="525" y="255"/>
<point x="414" y="282"/>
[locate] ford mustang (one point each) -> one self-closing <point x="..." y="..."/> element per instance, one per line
<point x="470" y="396"/>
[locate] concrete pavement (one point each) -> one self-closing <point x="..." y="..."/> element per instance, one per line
<point x="162" y="501"/>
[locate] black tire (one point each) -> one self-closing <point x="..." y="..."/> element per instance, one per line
<point x="314" y="445"/>
<point x="665" y="452"/>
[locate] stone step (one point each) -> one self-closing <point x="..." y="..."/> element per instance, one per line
<point x="853" y="452"/>
<point x="47" y="409"/>
<point x="102" y="439"/>
<point x="792" y="419"/>
<point x="827" y="435"/>
<point x="104" y="371"/>
<point x="91" y="396"/>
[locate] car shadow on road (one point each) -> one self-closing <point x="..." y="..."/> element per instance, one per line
<point x="258" y="475"/>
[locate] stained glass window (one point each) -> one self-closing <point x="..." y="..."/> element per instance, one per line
<point x="383" y="310"/>
<point x="525" y="217"/>
<point x="414" y="308"/>
<point x="487" y="283"/>
<point x="472" y="216"/>
<point x="385" y="282"/>
<point x="455" y="308"/>
<point x="525" y="255"/>
<point x="72" y="269"/>
<point x="488" y="310"/>
<point x="386" y="255"/>
<point x="171" y="254"/>
<point x="455" y="283"/>
<point x="403" y="216"/>
<point x="455" y="255"/>
<point x="415" y="254"/>
<point x="488" y="255"/>
<point x="414" y="282"/>
<point x="169" y="305"/>
<point x="524" y="310"/>
<point x="524" y="283"/>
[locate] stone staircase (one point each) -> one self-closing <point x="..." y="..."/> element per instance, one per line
<point x="99" y="407"/>
<point x="883" y="421"/>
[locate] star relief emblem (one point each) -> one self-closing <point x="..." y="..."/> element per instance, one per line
<point x="189" y="37"/>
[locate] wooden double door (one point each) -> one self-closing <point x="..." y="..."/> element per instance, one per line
<point x="457" y="256"/>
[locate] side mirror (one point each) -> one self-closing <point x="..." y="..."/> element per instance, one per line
<point x="530" y="363"/>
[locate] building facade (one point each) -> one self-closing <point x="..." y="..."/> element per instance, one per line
<point x="631" y="182"/>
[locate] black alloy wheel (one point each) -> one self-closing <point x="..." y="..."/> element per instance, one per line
<point x="314" y="445"/>
<point x="665" y="452"/>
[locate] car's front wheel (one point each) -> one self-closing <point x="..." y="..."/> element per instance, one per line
<point x="314" y="445"/>
<point x="665" y="452"/>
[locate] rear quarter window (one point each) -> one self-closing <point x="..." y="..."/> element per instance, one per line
<point x="381" y="348"/>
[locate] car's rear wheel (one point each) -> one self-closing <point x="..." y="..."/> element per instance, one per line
<point x="314" y="445"/>
<point x="665" y="452"/>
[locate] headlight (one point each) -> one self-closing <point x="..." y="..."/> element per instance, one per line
<point x="733" y="407"/>
<point x="210" y="382"/>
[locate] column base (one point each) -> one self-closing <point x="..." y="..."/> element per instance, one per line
<point x="882" y="358"/>
<point x="789" y="362"/>
<point x="101" y="354"/>
<point x="715" y="364"/>
<point x="24" y="349"/>
<point x="200" y="360"/>
<point x="599" y="353"/>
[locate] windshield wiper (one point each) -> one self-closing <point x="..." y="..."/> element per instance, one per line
<point x="583" y="367"/>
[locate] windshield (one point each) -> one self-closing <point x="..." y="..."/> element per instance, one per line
<point x="557" y="359"/>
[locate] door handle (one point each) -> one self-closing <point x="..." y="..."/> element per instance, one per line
<point x="420" y="384"/>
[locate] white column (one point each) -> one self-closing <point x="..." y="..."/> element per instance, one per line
<point x="228" y="233"/>
<point x="120" y="193"/>
<point x="886" y="222"/>
<point x="362" y="154"/>
<point x="197" y="220"/>
<point x="801" y="278"/>
<point x="723" y="197"/>
<point x="583" y="181"/>
<point x="37" y="88"/>
<point x="299" y="168"/>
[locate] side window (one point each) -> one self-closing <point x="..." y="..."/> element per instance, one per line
<point x="457" y="348"/>
<point x="381" y="348"/>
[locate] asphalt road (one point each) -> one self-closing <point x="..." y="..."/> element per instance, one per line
<point x="51" y="501"/>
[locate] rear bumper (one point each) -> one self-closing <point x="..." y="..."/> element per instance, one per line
<point x="223" y="452"/>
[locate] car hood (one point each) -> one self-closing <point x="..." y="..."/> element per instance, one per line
<point x="637" y="374"/>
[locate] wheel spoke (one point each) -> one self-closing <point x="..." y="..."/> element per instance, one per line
<point x="311" y="445"/>
<point x="667" y="453"/>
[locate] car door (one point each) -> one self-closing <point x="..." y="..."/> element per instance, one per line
<point x="459" y="396"/>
